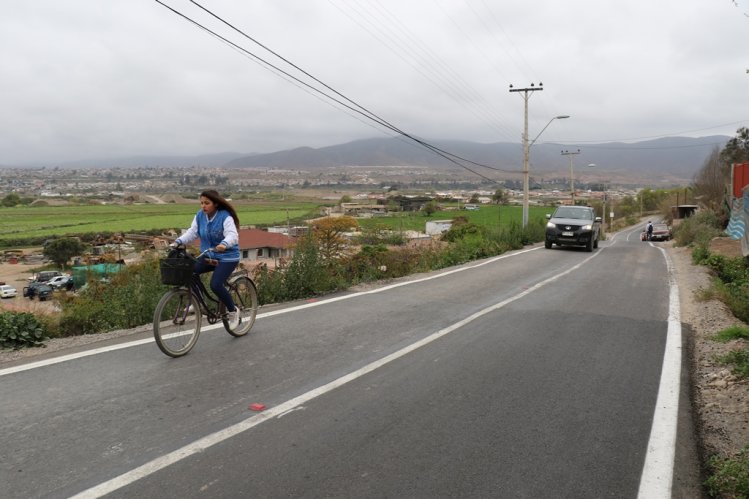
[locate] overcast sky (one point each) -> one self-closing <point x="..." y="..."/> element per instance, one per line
<point x="84" y="79"/>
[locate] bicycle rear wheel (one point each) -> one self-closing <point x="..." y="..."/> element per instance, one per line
<point x="244" y="294"/>
<point x="176" y="322"/>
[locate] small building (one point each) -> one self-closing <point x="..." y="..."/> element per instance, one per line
<point x="437" y="227"/>
<point x="255" y="244"/>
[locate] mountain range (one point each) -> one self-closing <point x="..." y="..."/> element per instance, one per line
<point x="672" y="157"/>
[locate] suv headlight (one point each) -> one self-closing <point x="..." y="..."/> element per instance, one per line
<point x="587" y="227"/>
<point x="550" y="225"/>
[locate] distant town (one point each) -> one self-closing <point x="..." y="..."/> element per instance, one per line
<point x="152" y="184"/>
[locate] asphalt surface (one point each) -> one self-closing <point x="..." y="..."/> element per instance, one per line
<point x="530" y="375"/>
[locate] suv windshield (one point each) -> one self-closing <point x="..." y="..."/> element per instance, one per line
<point x="576" y="213"/>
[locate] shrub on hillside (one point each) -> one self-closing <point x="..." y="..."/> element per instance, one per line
<point x="697" y="230"/>
<point x="21" y="329"/>
<point x="733" y="285"/>
<point x="128" y="300"/>
<point x="730" y="475"/>
<point x="307" y="274"/>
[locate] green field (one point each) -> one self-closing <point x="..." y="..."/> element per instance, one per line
<point x="25" y="223"/>
<point x="28" y="222"/>
<point x="486" y="215"/>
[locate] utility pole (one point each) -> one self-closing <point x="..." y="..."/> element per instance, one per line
<point x="526" y="94"/>
<point x="572" y="178"/>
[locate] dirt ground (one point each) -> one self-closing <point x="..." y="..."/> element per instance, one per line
<point x="720" y="400"/>
<point x="17" y="275"/>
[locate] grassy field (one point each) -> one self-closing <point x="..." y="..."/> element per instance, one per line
<point x="486" y="215"/>
<point x="38" y="222"/>
<point x="23" y="222"/>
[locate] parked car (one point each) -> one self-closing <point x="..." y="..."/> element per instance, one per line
<point x="61" y="282"/>
<point x="45" y="275"/>
<point x="573" y="226"/>
<point x="39" y="289"/>
<point x="661" y="232"/>
<point x="7" y="291"/>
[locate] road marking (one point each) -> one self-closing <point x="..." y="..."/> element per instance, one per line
<point x="120" y="346"/>
<point x="274" y="412"/>
<point x="658" y="470"/>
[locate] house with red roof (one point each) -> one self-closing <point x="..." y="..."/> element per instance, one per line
<point x="256" y="244"/>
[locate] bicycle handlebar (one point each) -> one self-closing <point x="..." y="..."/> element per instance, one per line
<point x="202" y="253"/>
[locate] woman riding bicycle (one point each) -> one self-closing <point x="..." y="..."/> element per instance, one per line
<point x="216" y="224"/>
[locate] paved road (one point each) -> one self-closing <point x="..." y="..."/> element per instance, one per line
<point x="534" y="374"/>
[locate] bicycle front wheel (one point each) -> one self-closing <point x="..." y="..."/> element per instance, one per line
<point x="244" y="294"/>
<point x="176" y="322"/>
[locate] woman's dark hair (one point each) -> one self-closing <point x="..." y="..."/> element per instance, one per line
<point x="221" y="203"/>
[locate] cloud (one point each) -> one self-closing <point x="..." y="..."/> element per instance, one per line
<point x="95" y="79"/>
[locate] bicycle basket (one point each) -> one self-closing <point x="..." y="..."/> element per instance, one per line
<point x="176" y="271"/>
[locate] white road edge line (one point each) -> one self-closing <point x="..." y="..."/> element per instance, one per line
<point x="120" y="346"/>
<point x="657" y="472"/>
<point x="281" y="409"/>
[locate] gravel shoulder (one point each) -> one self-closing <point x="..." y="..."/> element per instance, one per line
<point x="720" y="401"/>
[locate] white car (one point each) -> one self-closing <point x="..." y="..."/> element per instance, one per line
<point x="7" y="291"/>
<point x="59" y="282"/>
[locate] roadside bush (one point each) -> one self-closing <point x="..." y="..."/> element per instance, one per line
<point x="740" y="361"/>
<point x="730" y="476"/>
<point x="732" y="333"/>
<point x="128" y="300"/>
<point x="733" y="284"/>
<point x="269" y="284"/>
<point x="697" y="230"/>
<point x="20" y="330"/>
<point x="305" y="275"/>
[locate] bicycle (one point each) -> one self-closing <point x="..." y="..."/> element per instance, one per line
<point x="178" y="316"/>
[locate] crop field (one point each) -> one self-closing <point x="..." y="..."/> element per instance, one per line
<point x="22" y="222"/>
<point x="36" y="222"/>
<point x="486" y="215"/>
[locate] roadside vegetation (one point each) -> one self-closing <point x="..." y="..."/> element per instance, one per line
<point x="727" y="475"/>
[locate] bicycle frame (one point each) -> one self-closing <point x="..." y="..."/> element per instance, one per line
<point x="176" y="331"/>
<point x="203" y="296"/>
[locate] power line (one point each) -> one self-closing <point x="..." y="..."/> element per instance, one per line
<point x="353" y="106"/>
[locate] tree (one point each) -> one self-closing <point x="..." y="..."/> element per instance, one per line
<point x="61" y="250"/>
<point x="711" y="180"/>
<point x="737" y="149"/>
<point x="430" y="208"/>
<point x="11" y="199"/>
<point x="328" y="233"/>
<point x="499" y="196"/>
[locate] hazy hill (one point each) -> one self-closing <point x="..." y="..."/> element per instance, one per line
<point x="666" y="158"/>
<point x="206" y="160"/>
<point x="675" y="156"/>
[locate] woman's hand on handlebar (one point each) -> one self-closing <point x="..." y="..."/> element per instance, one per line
<point x="220" y="248"/>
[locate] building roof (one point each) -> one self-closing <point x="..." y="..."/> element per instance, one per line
<point x="256" y="238"/>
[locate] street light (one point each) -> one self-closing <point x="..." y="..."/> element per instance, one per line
<point x="526" y="155"/>
<point x="560" y="117"/>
